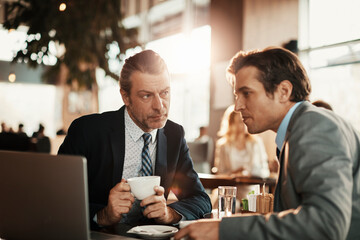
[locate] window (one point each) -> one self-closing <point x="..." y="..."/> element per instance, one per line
<point x="330" y="49"/>
<point x="188" y="60"/>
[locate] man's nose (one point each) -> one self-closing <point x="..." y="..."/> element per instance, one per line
<point x="239" y="105"/>
<point x="157" y="103"/>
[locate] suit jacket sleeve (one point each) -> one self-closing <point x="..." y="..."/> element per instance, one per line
<point x="316" y="186"/>
<point x="193" y="202"/>
<point x="76" y="142"/>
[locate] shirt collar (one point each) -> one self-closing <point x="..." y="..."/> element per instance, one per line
<point x="280" y="136"/>
<point x="136" y="132"/>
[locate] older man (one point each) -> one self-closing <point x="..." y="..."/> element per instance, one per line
<point x="115" y="143"/>
<point x="318" y="191"/>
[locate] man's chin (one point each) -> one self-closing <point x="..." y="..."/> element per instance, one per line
<point x="249" y="129"/>
<point x="157" y="124"/>
<point x="254" y="130"/>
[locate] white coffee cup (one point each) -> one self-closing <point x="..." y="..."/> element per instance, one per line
<point x="143" y="187"/>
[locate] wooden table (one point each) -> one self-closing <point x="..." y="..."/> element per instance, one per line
<point x="212" y="181"/>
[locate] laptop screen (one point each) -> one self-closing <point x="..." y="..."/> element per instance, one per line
<point x="43" y="196"/>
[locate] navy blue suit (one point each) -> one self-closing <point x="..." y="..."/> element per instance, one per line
<point x="101" y="139"/>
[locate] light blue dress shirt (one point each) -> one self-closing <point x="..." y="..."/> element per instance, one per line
<point x="280" y="136"/>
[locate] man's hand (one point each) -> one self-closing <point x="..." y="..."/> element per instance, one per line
<point x="202" y="229"/>
<point x="120" y="201"/>
<point x="156" y="208"/>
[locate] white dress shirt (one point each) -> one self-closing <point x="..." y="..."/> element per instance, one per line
<point x="134" y="144"/>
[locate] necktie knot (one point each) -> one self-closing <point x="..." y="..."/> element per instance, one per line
<point x="147" y="139"/>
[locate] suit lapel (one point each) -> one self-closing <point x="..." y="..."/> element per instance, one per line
<point x="283" y="156"/>
<point x="117" y="139"/>
<point x="161" y="157"/>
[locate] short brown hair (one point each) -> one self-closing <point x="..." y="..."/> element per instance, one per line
<point x="274" y="65"/>
<point x="146" y="61"/>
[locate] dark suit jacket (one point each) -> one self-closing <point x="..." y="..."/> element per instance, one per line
<point x="319" y="183"/>
<point x="101" y="139"/>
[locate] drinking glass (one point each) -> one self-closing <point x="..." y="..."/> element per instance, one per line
<point x="227" y="201"/>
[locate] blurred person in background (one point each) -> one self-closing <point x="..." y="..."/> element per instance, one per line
<point x="13" y="141"/>
<point x="238" y="152"/>
<point x="3" y="127"/>
<point x="203" y="135"/>
<point x="41" y="142"/>
<point x="20" y="131"/>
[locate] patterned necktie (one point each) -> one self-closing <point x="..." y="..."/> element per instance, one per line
<point x="146" y="169"/>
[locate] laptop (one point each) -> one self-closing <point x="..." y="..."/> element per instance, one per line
<point x="44" y="197"/>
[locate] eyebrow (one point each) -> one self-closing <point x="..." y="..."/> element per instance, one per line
<point x="146" y="91"/>
<point x="241" y="89"/>
<point x="167" y="88"/>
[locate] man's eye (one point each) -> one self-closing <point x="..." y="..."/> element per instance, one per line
<point x="146" y="96"/>
<point x="165" y="93"/>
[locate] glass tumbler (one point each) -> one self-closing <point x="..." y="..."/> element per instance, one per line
<point x="227" y="201"/>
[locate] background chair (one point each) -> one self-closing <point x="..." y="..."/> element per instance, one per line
<point x="201" y="154"/>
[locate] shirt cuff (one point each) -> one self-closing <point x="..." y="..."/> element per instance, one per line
<point x="183" y="218"/>
<point x="95" y="220"/>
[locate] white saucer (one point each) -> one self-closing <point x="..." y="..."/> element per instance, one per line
<point x="154" y="231"/>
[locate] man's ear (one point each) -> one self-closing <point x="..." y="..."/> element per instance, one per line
<point x="284" y="90"/>
<point x="125" y="97"/>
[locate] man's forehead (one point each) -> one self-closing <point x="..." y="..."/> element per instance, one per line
<point x="144" y="77"/>
<point x="150" y="82"/>
<point x="246" y="76"/>
<point x="148" y="74"/>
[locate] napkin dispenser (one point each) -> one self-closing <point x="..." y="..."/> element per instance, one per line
<point x="265" y="203"/>
<point x="260" y="202"/>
